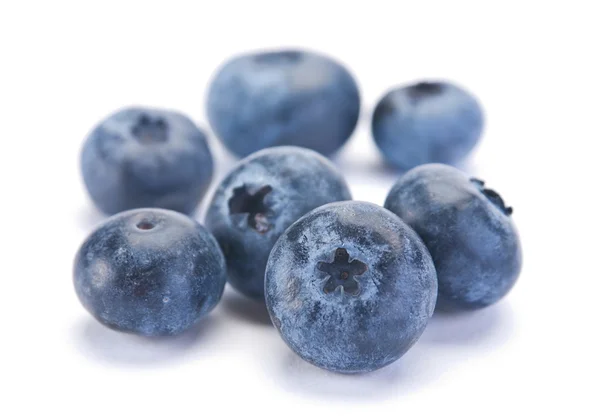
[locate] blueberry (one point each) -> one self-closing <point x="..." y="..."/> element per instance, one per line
<point x="350" y="287"/>
<point x="149" y="271"/>
<point x="283" y="98"/>
<point x="261" y="197"/>
<point x="428" y="122"/>
<point x="468" y="230"/>
<point x="141" y="157"/>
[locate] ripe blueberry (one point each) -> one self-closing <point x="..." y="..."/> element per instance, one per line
<point x="149" y="271"/>
<point x="428" y="122"/>
<point x="283" y="98"/>
<point x="140" y="157"/>
<point x="350" y="287"/>
<point x="466" y="227"/>
<point x="259" y="199"/>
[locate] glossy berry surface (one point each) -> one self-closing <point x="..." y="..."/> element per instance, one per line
<point x="283" y="98"/>
<point x="428" y="122"/>
<point x="468" y="230"/>
<point x="350" y="287"/>
<point x="262" y="196"/>
<point x="140" y="157"/>
<point x="149" y="271"/>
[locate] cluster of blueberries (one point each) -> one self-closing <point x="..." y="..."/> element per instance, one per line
<point x="349" y="285"/>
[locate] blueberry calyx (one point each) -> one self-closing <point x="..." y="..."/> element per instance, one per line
<point x="148" y="130"/>
<point x="342" y="272"/>
<point x="493" y="196"/>
<point x="423" y="89"/>
<point x="245" y="202"/>
<point x="279" y="56"/>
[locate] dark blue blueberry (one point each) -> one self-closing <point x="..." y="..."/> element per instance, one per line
<point x="350" y="287"/>
<point x="283" y="98"/>
<point x="261" y="197"/>
<point x="468" y="230"/>
<point x="141" y="157"/>
<point x="429" y="122"/>
<point x="149" y="271"/>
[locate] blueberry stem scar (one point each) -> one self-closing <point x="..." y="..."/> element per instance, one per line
<point x="342" y="272"/>
<point x="245" y="202"/>
<point x="425" y="89"/>
<point x="493" y="196"/>
<point x="281" y="56"/>
<point x="148" y="130"/>
<point x="145" y="225"/>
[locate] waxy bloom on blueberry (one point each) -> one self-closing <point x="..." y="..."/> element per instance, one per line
<point x="150" y="272"/>
<point x="281" y="98"/>
<point x="468" y="230"/>
<point x="427" y="122"/>
<point x="141" y="157"/>
<point x="259" y="199"/>
<point x="350" y="287"/>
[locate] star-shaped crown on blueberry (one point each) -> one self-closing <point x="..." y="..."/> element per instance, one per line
<point x="342" y="273"/>
<point x="252" y="203"/>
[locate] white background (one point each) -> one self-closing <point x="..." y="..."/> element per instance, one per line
<point x="65" y="65"/>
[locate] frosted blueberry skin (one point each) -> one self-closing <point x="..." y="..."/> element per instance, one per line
<point x="140" y="157"/>
<point x="427" y="122"/>
<point x="280" y="98"/>
<point x="261" y="197"/>
<point x="350" y="287"/>
<point x="468" y="230"/>
<point x="149" y="271"/>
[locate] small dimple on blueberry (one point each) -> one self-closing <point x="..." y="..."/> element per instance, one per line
<point x="145" y="225"/>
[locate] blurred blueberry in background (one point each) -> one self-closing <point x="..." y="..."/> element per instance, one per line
<point x="149" y="271"/>
<point x="140" y="157"/>
<point x="468" y="230"/>
<point x="285" y="97"/>
<point x="261" y="197"/>
<point x="427" y="122"/>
